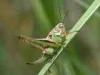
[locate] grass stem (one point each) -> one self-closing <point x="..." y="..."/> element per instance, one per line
<point x="93" y="7"/>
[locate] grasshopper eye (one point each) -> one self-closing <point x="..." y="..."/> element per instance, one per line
<point x="50" y="36"/>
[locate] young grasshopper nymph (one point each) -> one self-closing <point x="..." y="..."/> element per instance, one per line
<point x="48" y="45"/>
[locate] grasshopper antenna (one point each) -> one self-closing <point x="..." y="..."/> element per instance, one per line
<point x="61" y="17"/>
<point x="61" y="13"/>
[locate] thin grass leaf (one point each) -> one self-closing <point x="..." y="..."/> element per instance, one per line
<point x="85" y="5"/>
<point x="94" y="6"/>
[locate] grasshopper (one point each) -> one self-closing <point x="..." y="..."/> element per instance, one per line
<point x="48" y="45"/>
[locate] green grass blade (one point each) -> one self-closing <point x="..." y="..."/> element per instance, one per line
<point x="94" y="6"/>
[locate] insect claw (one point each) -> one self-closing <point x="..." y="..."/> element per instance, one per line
<point x="30" y="63"/>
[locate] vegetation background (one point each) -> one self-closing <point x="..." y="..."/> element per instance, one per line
<point x="35" y="18"/>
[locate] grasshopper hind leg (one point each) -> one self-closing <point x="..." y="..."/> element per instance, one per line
<point x="38" y="61"/>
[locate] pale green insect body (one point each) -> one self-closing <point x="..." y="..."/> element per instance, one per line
<point x="57" y="38"/>
<point x="48" y="45"/>
<point x="50" y="50"/>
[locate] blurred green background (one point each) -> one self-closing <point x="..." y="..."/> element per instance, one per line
<point x="35" y="18"/>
